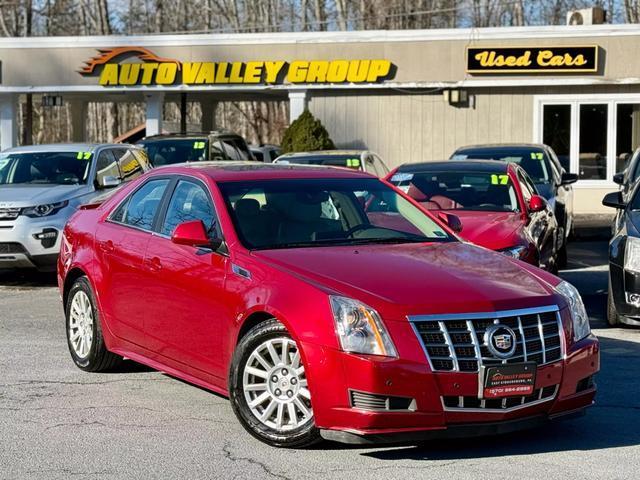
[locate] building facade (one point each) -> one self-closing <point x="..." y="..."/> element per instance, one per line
<point x="408" y="95"/>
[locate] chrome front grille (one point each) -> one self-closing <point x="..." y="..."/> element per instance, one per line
<point x="455" y="343"/>
<point x="9" y="213"/>
<point x="467" y="403"/>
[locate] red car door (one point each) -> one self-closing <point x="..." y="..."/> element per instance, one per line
<point x="188" y="312"/>
<point x="121" y="241"/>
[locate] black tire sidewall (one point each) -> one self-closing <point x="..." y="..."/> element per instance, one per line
<point x="613" y="318"/>
<point x="303" y="436"/>
<point x="82" y="284"/>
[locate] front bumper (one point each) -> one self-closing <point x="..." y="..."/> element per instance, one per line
<point x="19" y="248"/>
<point x="570" y="379"/>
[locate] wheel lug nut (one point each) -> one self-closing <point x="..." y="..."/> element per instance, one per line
<point x="284" y="371"/>
<point x="274" y="379"/>
<point x="289" y="393"/>
<point x="278" y="392"/>
<point x="293" y="381"/>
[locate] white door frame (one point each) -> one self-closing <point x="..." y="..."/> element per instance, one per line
<point x="574" y="100"/>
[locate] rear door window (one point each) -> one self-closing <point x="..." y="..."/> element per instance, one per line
<point x="140" y="208"/>
<point x="190" y="201"/>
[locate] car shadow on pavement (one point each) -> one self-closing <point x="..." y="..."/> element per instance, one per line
<point x="27" y="279"/>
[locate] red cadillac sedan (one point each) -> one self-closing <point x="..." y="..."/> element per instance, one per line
<point x="496" y="202"/>
<point x="324" y="303"/>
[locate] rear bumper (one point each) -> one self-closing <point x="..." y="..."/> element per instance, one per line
<point x="469" y="430"/>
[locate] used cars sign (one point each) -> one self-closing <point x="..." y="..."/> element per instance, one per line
<point x="572" y="59"/>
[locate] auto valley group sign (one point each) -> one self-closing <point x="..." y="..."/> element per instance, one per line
<point x="132" y="66"/>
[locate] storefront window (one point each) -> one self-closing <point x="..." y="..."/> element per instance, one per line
<point x="592" y="153"/>
<point x="627" y="133"/>
<point x="557" y="132"/>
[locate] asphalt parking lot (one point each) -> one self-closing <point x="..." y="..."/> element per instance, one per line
<point x="59" y="422"/>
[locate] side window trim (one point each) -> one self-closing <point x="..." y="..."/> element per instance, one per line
<point x="131" y="194"/>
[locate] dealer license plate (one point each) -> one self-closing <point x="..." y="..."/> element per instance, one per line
<point x="512" y="380"/>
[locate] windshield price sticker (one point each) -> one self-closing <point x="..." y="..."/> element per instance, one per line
<point x="514" y="380"/>
<point x="537" y="156"/>
<point x="83" y="155"/>
<point x="198" y="145"/>
<point x="353" y="162"/>
<point x="499" y="179"/>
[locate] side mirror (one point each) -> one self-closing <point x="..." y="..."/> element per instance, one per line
<point x="618" y="178"/>
<point x="614" y="200"/>
<point x="109" y="181"/>
<point x="568" y="178"/>
<point x="537" y="204"/>
<point x="193" y="234"/>
<point x="453" y="221"/>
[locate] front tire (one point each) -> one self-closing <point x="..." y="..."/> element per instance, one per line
<point x="268" y="388"/>
<point x="613" y="318"/>
<point x="84" y="331"/>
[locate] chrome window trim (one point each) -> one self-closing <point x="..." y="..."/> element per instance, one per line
<point x="439" y="318"/>
<point x="501" y="410"/>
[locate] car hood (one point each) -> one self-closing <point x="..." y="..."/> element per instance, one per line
<point x="494" y="230"/>
<point x="451" y="277"/>
<point x="26" y="195"/>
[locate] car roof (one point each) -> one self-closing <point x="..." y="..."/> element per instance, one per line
<point x="169" y="136"/>
<point x="323" y="153"/>
<point x="500" y="146"/>
<point x="491" y="166"/>
<point x="64" y="147"/>
<point x="240" y="171"/>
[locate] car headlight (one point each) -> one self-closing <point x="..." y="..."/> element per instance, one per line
<point x="516" y="252"/>
<point x="632" y="255"/>
<point x="360" y="328"/>
<point x="44" y="210"/>
<point x="581" y="327"/>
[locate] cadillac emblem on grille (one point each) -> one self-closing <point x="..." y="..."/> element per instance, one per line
<point x="500" y="340"/>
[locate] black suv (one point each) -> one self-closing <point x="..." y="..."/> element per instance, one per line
<point x="172" y="148"/>
<point x="544" y="168"/>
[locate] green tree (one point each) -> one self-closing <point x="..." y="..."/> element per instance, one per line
<point x="306" y="134"/>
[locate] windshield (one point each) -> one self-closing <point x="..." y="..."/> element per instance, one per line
<point x="533" y="160"/>
<point x="51" y="168"/>
<point x="176" y="150"/>
<point x="459" y="190"/>
<point x="351" y="160"/>
<point x="292" y="213"/>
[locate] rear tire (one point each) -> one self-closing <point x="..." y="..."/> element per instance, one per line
<point x="84" y="330"/>
<point x="268" y="388"/>
<point x="613" y="318"/>
<point x="562" y="257"/>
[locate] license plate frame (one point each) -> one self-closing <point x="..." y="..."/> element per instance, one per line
<point x="507" y="380"/>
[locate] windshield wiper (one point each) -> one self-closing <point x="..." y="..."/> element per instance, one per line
<point x="346" y="242"/>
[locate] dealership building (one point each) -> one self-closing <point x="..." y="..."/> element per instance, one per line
<point x="410" y="96"/>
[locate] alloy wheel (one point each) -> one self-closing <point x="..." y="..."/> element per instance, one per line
<point x="81" y="324"/>
<point x="275" y="387"/>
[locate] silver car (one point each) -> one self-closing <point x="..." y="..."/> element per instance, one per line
<point x="42" y="186"/>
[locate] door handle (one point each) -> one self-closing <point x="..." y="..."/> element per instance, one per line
<point x="106" y="247"/>
<point x="154" y="264"/>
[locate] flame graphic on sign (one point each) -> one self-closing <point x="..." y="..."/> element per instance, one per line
<point x="108" y="54"/>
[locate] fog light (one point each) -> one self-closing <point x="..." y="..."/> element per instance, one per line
<point x="47" y="237"/>
<point x="633" y="298"/>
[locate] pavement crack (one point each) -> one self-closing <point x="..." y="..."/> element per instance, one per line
<point x="226" y="449"/>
